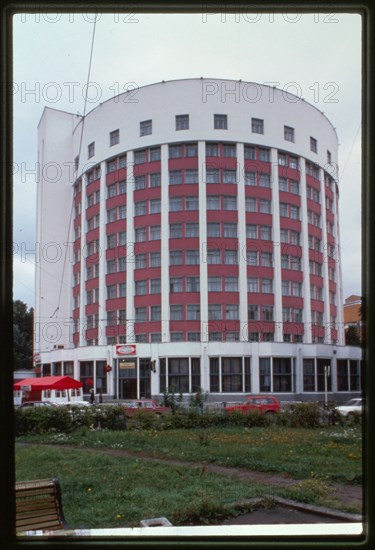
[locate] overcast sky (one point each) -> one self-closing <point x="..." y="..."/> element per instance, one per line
<point x="316" y="56"/>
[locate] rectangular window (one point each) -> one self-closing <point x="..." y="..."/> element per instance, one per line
<point x="313" y="145"/>
<point x="191" y="150"/>
<point x="213" y="175"/>
<point x="114" y="137"/>
<point x="140" y="156"/>
<point x="175" y="204"/>
<point x="213" y="257"/>
<point x="230" y="203"/>
<point x="264" y="155"/>
<point x="140" y="288"/>
<point x="230" y="230"/>
<point x="111" y="190"/>
<point x="230" y="176"/>
<point x="155" y="259"/>
<point x="220" y="122"/>
<point x="213" y="230"/>
<point x="253" y="312"/>
<point x="251" y="231"/>
<point x="249" y="152"/>
<point x="265" y="206"/>
<point x="155" y="206"/>
<point x="213" y="202"/>
<point x="111" y="292"/>
<point x="122" y="263"/>
<point x="175" y="284"/>
<point x="267" y="313"/>
<point x="175" y="177"/>
<point x="191" y="176"/>
<point x="191" y="203"/>
<point x="250" y="204"/>
<point x="176" y="312"/>
<point x="264" y="180"/>
<point x="91" y="150"/>
<point x="250" y="178"/>
<point x="155" y="179"/>
<point x="182" y="122"/>
<point x="140" y="182"/>
<point x="192" y="257"/>
<point x="192" y="229"/>
<point x="214" y="312"/>
<point x="155" y="313"/>
<point x="229" y="150"/>
<point x="155" y="154"/>
<point x="145" y="128"/>
<point x="141" y="235"/>
<point x="140" y="208"/>
<point x="192" y="284"/>
<point x="111" y="266"/>
<point x="155" y="286"/>
<point x="231" y="284"/>
<point x="288" y="133"/>
<point x="140" y="261"/>
<point x="193" y="312"/>
<point x="111" y="166"/>
<point x="252" y="284"/>
<point x="266" y="233"/>
<point x="293" y="162"/>
<point x="214" y="284"/>
<point x="257" y="126"/>
<point x="175" y="257"/>
<point x="122" y="161"/>
<point x="155" y="233"/>
<point x="140" y="314"/>
<point x="231" y="257"/>
<point x="231" y="311"/>
<point x="267" y="286"/>
<point x="175" y="151"/>
<point x="175" y="230"/>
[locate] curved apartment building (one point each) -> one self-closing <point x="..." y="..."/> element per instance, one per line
<point x="188" y="236"/>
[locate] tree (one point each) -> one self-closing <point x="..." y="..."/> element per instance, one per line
<point x="23" y="319"/>
<point x="352" y="336"/>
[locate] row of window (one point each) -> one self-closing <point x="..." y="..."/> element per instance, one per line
<point x="227" y="374"/>
<point x="220" y="122"/>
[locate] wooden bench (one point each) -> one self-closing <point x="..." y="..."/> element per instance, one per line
<point x="38" y="505"/>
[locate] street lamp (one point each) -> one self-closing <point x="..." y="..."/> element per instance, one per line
<point x="327" y="370"/>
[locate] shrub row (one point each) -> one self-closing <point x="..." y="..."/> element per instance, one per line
<point x="66" y="419"/>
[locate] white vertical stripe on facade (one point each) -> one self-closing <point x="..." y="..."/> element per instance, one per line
<point x="130" y="257"/>
<point x="278" y="308"/>
<point x="306" y="313"/>
<point x="82" y="287"/>
<point x="326" y="255"/>
<point x="102" y="340"/>
<point x="242" y="267"/>
<point x="164" y="252"/>
<point x="203" y="240"/>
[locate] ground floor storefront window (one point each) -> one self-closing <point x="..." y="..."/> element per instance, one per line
<point x="230" y="374"/>
<point x="180" y="374"/>
<point x="92" y="374"/>
<point x="348" y="375"/>
<point x="277" y="374"/>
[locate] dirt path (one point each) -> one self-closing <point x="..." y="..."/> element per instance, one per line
<point x="344" y="493"/>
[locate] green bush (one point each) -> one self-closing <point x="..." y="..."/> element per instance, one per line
<point x="67" y="418"/>
<point x="301" y="415"/>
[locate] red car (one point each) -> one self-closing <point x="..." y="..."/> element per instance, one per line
<point x="147" y="405"/>
<point x="262" y="403"/>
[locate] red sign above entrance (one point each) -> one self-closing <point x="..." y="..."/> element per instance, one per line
<point x="126" y="349"/>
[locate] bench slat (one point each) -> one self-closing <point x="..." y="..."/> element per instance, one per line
<point x="38" y="505"/>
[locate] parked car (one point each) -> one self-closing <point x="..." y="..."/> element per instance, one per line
<point x="266" y="404"/>
<point x="351" y="407"/>
<point x="147" y="405"/>
<point x="29" y="404"/>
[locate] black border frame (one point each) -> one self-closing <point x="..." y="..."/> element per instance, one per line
<point x="7" y="471"/>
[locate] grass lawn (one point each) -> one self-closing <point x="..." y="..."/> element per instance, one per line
<point x="102" y="490"/>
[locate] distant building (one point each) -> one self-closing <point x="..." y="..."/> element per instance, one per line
<point x="352" y="314"/>
<point x="189" y="237"/>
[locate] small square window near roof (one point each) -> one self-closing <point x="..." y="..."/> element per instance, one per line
<point x="220" y="122"/>
<point x="114" y="137"/>
<point x="146" y="128"/>
<point x="182" y="122"/>
<point x="91" y="150"/>
<point x="257" y="125"/>
<point x="289" y="133"/>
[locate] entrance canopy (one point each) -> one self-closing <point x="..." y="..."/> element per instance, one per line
<point x="48" y="383"/>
